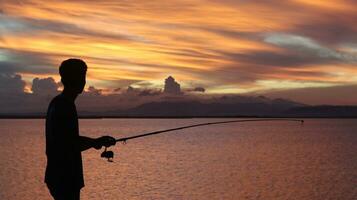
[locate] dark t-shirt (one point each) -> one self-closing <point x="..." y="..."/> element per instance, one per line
<point x="64" y="160"/>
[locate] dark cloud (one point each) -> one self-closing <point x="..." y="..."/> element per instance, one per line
<point x="117" y="90"/>
<point x="11" y="84"/>
<point x="171" y="86"/>
<point x="272" y="59"/>
<point x="94" y="91"/>
<point x="329" y="28"/>
<point x="8" y="67"/>
<point x="45" y="86"/>
<point x="197" y="89"/>
<point x="13" y="99"/>
<point x="140" y="92"/>
<point x="329" y="32"/>
<point x="277" y="59"/>
<point x="130" y="90"/>
<point x="150" y="92"/>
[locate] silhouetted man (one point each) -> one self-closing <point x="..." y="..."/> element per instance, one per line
<point x="64" y="172"/>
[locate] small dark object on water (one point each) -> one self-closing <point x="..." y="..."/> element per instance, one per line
<point x="107" y="154"/>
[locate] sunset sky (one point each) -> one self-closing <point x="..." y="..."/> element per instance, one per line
<point x="290" y="48"/>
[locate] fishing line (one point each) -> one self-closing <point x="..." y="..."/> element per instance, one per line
<point x="110" y="154"/>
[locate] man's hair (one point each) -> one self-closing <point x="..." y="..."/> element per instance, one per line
<point x="71" y="70"/>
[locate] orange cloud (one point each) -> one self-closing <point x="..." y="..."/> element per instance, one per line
<point x="227" y="46"/>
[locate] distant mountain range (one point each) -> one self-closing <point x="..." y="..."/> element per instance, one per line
<point x="198" y="109"/>
<point x="322" y="111"/>
<point x="237" y="106"/>
<point x="276" y="108"/>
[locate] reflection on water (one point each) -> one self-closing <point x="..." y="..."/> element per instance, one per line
<point x="259" y="160"/>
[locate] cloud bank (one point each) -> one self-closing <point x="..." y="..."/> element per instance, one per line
<point x="15" y="100"/>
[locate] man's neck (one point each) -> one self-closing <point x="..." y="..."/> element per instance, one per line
<point x="70" y="95"/>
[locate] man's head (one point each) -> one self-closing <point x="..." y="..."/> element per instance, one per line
<point x="73" y="74"/>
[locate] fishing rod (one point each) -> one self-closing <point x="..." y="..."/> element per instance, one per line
<point x="110" y="154"/>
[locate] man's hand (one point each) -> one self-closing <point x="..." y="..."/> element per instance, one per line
<point x="106" y="141"/>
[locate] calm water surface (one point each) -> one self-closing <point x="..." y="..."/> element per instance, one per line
<point x="256" y="160"/>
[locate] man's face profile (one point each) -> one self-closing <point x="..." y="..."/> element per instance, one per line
<point x="82" y="83"/>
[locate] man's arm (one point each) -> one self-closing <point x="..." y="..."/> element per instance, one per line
<point x="86" y="143"/>
<point x="97" y="143"/>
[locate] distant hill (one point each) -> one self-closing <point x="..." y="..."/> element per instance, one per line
<point x="322" y="111"/>
<point x="257" y="107"/>
<point x="226" y="106"/>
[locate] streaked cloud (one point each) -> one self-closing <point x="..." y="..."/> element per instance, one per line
<point x="309" y="47"/>
<point x="225" y="46"/>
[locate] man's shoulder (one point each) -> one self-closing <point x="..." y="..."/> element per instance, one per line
<point x="59" y="105"/>
<point x="57" y="101"/>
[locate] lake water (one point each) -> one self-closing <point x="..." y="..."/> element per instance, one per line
<point x="256" y="160"/>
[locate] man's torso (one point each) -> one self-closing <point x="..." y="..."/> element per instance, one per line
<point x="64" y="160"/>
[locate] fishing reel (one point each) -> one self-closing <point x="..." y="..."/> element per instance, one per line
<point x="109" y="155"/>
